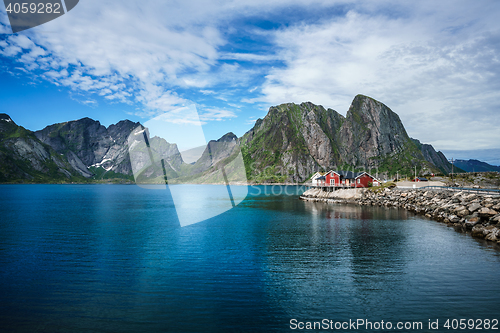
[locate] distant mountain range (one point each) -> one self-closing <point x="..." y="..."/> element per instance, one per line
<point x="290" y="144"/>
<point x="475" y="166"/>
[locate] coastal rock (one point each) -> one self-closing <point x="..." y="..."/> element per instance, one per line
<point x="491" y="237"/>
<point x="473" y="207"/>
<point x="487" y="212"/>
<point x="443" y="206"/>
<point x="472" y="221"/>
<point x="491" y="233"/>
<point x="478" y="231"/>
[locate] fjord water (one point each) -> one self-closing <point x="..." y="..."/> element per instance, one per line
<point x="113" y="258"/>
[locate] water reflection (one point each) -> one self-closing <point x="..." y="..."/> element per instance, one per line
<point x="353" y="211"/>
<point x="348" y="253"/>
<point x="109" y="259"/>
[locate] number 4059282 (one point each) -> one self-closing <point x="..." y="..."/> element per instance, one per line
<point x="38" y="8"/>
<point x="471" y="324"/>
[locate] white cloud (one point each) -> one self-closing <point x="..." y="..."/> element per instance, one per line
<point x="211" y="114"/>
<point x="128" y="47"/>
<point x="438" y="70"/>
<point x="251" y="121"/>
<point x="434" y="63"/>
<point x="249" y="57"/>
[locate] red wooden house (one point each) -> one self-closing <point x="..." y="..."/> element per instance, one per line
<point x="332" y="178"/>
<point x="347" y="179"/>
<point x="364" y="179"/>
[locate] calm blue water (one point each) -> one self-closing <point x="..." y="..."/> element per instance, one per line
<point x="112" y="258"/>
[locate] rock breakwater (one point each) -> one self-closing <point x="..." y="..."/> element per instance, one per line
<point x="477" y="214"/>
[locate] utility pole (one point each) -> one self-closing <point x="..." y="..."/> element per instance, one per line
<point x="452" y="169"/>
<point x="415" y="173"/>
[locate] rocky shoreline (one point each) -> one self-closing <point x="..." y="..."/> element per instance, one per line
<point x="477" y="214"/>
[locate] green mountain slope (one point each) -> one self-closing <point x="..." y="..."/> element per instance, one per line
<point x="294" y="141"/>
<point x="23" y="158"/>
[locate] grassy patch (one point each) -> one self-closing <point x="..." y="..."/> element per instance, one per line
<point x="383" y="186"/>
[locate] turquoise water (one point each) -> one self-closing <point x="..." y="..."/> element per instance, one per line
<point x="113" y="258"/>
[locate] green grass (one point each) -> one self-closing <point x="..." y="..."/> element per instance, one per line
<point x="383" y="186"/>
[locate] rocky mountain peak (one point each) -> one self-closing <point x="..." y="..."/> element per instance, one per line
<point x="228" y="137"/>
<point x="5" y="117"/>
<point x="372" y="129"/>
<point x="300" y="139"/>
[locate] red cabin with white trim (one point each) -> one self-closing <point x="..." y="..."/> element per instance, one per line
<point x="363" y="180"/>
<point x="332" y="178"/>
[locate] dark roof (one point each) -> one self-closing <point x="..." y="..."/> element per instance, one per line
<point x="349" y="174"/>
<point x="322" y="177"/>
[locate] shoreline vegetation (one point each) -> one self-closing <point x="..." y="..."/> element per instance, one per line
<point x="471" y="213"/>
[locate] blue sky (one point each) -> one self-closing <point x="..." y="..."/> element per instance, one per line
<point x="435" y="64"/>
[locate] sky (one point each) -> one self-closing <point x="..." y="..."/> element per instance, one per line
<point x="436" y="64"/>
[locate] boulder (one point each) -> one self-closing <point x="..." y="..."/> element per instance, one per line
<point x="463" y="213"/>
<point x="474" y="206"/>
<point x="471" y="221"/>
<point x="470" y="197"/>
<point x="478" y="231"/>
<point x="487" y="212"/>
<point x="491" y="234"/>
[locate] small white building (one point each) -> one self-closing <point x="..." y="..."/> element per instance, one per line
<point x="314" y="178"/>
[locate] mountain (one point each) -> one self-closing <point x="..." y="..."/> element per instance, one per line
<point x="289" y="144"/>
<point x="291" y="141"/>
<point x="90" y="148"/>
<point x="25" y="158"/>
<point x="152" y="160"/>
<point x="294" y="141"/>
<point x="436" y="158"/>
<point x="475" y="166"/>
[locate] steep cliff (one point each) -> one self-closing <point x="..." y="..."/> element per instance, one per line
<point x="25" y="158"/>
<point x="436" y="158"/>
<point x="294" y="141"/>
<point x="91" y="148"/>
<point x="291" y="142"/>
<point x="153" y="160"/>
